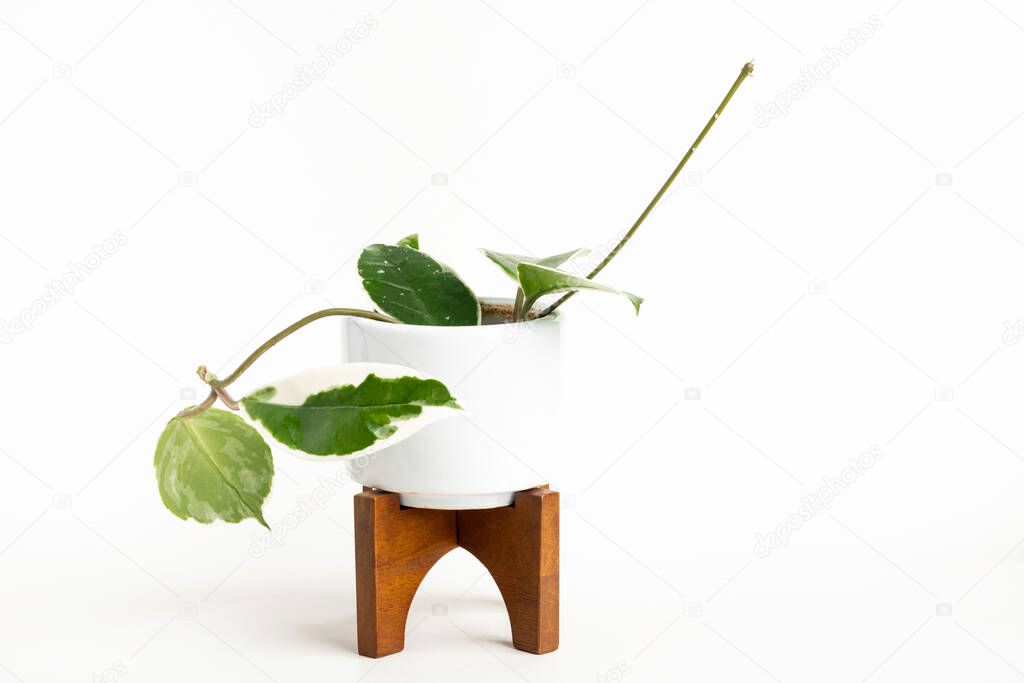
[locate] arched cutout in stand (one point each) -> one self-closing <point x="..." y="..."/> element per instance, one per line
<point x="396" y="547"/>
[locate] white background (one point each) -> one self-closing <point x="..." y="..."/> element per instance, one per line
<point x="820" y="280"/>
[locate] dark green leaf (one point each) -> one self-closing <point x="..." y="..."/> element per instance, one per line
<point x="213" y="466"/>
<point x="509" y="262"/>
<point x="536" y="281"/>
<point x="412" y="287"/>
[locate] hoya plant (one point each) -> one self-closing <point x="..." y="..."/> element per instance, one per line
<point x="211" y="464"/>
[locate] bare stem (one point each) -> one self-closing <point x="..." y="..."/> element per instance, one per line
<point x="747" y="70"/>
<point x="518" y="313"/>
<point x="217" y="386"/>
<point x="295" y="326"/>
<point x="195" y="410"/>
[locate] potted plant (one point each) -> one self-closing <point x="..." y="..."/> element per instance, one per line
<point x="403" y="374"/>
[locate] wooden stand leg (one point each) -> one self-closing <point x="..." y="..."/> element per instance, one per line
<point x="519" y="547"/>
<point x="396" y="547"/>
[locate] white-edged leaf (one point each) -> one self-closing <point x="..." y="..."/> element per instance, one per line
<point x="351" y="409"/>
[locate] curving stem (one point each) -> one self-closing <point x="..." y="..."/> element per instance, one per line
<point x="747" y="70"/>
<point x="217" y="386"/>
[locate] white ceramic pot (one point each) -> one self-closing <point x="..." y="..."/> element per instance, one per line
<point x="507" y="378"/>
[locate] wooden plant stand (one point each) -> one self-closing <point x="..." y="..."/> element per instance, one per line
<point x="397" y="546"/>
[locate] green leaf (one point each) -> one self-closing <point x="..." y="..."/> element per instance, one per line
<point x="412" y="241"/>
<point x="509" y="262"/>
<point x="348" y="419"/>
<point x="213" y="466"/>
<point x="414" y="288"/>
<point x="536" y="281"/>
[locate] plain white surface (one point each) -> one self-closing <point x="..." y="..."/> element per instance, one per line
<point x="507" y="378"/>
<point x="845" y="275"/>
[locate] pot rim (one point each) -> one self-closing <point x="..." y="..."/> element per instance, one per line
<point x="552" y="319"/>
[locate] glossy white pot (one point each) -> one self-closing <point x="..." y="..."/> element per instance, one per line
<point x="507" y="378"/>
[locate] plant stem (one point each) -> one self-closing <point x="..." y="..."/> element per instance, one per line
<point x="747" y="70"/>
<point x="295" y="326"/>
<point x="517" y="308"/>
<point x="195" y="410"/>
<point x="218" y="385"/>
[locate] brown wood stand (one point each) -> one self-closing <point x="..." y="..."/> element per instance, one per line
<point x="397" y="546"/>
